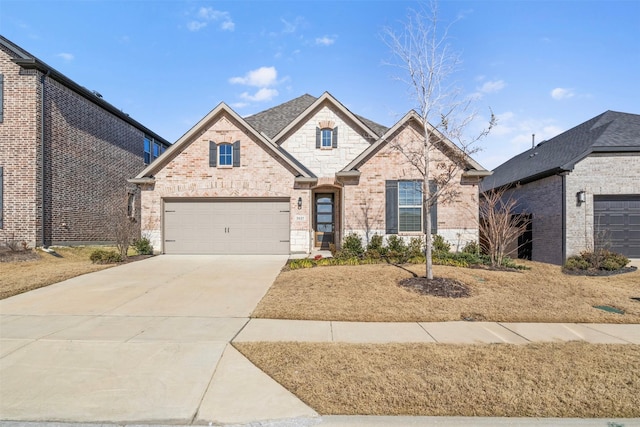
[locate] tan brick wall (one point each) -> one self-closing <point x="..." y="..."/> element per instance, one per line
<point x="596" y="175"/>
<point x="19" y="140"/>
<point x="189" y="175"/>
<point x="364" y="204"/>
<point x="326" y="162"/>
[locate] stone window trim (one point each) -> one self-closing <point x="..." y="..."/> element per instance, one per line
<point x="326" y="135"/>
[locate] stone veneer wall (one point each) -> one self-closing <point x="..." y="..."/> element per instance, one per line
<point x="597" y="174"/>
<point x="365" y="203"/>
<point x="325" y="162"/>
<point x="260" y="175"/>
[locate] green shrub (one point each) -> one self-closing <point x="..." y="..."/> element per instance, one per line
<point x="352" y="246"/>
<point x="376" y="243"/>
<point x="415" y="248"/>
<point x="143" y="246"/>
<point x="439" y="244"/>
<point x="471" y="247"/>
<point x="102" y="256"/>
<point x="598" y="260"/>
<point x="396" y="244"/>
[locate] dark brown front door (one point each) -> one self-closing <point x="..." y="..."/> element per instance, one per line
<point x="324" y="220"/>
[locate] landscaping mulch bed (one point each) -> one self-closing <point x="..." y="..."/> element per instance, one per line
<point x="438" y="287"/>
<point x="601" y="273"/>
<point x="7" y="255"/>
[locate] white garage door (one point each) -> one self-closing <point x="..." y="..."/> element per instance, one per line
<point x="617" y="222"/>
<point x="226" y="226"/>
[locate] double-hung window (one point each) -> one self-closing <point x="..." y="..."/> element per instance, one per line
<point x="409" y="206"/>
<point x="326" y="138"/>
<point x="147" y="150"/>
<point x="225" y="155"/>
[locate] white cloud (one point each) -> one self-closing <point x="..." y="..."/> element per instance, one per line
<point x="239" y="104"/>
<point x="492" y="87"/>
<point x="560" y="93"/>
<point x="264" y="94"/>
<point x="292" y="27"/>
<point x="261" y="77"/>
<point x="325" y="41"/>
<point x="66" y="56"/>
<point x="206" y="15"/>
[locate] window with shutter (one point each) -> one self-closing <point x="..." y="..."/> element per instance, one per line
<point x="236" y="154"/>
<point x="403" y="207"/>
<point x="326" y="138"/>
<point x="225" y="155"/>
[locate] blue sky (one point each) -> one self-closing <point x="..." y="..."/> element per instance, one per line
<point x="543" y="67"/>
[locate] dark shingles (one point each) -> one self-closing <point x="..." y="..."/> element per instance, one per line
<point x="607" y="131"/>
<point x="272" y="121"/>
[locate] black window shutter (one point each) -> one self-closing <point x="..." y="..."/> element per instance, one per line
<point x="391" y="207"/>
<point x="1" y="97"/>
<point x="213" y="154"/>
<point x="1" y="187"/>
<point x="318" y="137"/>
<point x="335" y="137"/>
<point x="433" y="187"/>
<point x="236" y="154"/>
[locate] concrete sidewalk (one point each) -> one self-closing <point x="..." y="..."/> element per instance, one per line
<point x="148" y="343"/>
<point x="437" y="332"/>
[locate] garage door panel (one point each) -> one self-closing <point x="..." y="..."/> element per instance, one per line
<point x="617" y="218"/>
<point x="226" y="227"/>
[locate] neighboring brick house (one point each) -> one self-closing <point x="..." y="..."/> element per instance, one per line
<point x="65" y="156"/>
<point x="293" y="179"/>
<point x="580" y="187"/>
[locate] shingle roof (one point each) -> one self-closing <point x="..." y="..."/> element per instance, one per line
<point x="272" y="121"/>
<point x="610" y="131"/>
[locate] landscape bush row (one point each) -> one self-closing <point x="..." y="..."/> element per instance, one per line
<point x="398" y="251"/>
<point x="142" y="246"/>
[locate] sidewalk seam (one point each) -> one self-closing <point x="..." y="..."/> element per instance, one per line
<point x="428" y="333"/>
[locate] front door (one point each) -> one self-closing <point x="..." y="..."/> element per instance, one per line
<point x="324" y="220"/>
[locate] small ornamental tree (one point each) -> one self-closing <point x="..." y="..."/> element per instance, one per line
<point x="500" y="224"/>
<point x="422" y="53"/>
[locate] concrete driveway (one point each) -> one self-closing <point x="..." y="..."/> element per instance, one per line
<point x="145" y="342"/>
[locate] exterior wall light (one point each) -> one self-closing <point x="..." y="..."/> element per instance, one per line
<point x="582" y="197"/>
<point x="299" y="203"/>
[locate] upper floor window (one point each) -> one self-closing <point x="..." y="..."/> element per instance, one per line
<point x="326" y="137"/>
<point x="225" y="155"/>
<point x="156" y="150"/>
<point x="147" y="150"/>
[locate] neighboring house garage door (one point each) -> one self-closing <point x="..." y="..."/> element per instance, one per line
<point x="617" y="222"/>
<point x="226" y="226"/>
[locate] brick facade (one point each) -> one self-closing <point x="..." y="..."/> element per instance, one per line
<point x="184" y="172"/>
<point x="70" y="189"/>
<point x="19" y="141"/>
<point x="598" y="174"/>
<point x="188" y="175"/>
<point x="542" y="199"/>
<point x="457" y="219"/>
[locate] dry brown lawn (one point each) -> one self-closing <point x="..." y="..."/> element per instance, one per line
<point x="370" y="293"/>
<point x="572" y="379"/>
<point x="45" y="269"/>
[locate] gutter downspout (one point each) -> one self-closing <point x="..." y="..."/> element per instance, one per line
<point x="42" y="147"/>
<point x="564" y="218"/>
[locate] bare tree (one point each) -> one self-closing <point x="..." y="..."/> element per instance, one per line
<point x="500" y="225"/>
<point x="122" y="227"/>
<point x="422" y="53"/>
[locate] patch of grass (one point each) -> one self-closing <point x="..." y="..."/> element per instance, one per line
<point x="572" y="379"/>
<point x="370" y="293"/>
<point x="45" y="269"/>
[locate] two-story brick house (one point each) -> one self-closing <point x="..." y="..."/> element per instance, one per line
<point x="65" y="156"/>
<point x="295" y="178"/>
<point x="581" y="189"/>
